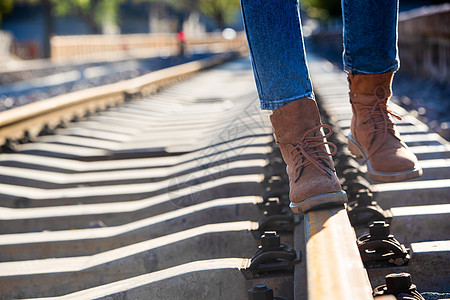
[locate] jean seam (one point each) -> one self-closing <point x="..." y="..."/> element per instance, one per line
<point x="308" y="82"/>
<point x="250" y="49"/>
<point x="347" y="60"/>
<point x="397" y="58"/>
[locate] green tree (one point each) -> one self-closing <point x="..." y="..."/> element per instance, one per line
<point x="5" y="7"/>
<point x="222" y="11"/>
<point x="322" y="9"/>
<point x="182" y="8"/>
<point x="95" y="13"/>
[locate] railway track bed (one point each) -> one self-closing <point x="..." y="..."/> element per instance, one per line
<point x="181" y="194"/>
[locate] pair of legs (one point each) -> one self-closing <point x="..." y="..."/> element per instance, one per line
<point x="370" y="57"/>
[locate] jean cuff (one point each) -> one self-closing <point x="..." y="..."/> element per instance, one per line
<point x="353" y="71"/>
<point x="274" y="104"/>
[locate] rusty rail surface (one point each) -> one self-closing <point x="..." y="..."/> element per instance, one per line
<point x="334" y="266"/>
<point x="31" y="119"/>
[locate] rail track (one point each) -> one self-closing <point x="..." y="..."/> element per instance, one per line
<point x="179" y="193"/>
<point x="30" y="120"/>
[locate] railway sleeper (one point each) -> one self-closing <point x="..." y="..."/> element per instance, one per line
<point x="30" y="278"/>
<point x="62" y="243"/>
<point x="241" y="145"/>
<point x="82" y="216"/>
<point x="50" y="180"/>
<point x="176" y="283"/>
<point x="177" y="187"/>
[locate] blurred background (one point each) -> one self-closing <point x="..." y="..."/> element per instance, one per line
<point x="36" y="24"/>
<point x="128" y="38"/>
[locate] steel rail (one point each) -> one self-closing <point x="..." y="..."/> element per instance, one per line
<point x="32" y="118"/>
<point x="334" y="266"/>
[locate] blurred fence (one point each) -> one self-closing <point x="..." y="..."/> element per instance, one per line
<point x="424" y="42"/>
<point x="68" y="47"/>
<point x="9" y="47"/>
<point x="5" y="43"/>
<point x="26" y="50"/>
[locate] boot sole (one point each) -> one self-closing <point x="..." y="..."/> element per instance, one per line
<point x="319" y="201"/>
<point x="359" y="152"/>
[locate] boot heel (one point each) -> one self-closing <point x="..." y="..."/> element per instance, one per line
<point x="354" y="149"/>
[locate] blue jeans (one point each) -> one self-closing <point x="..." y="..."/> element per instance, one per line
<point x="277" y="51"/>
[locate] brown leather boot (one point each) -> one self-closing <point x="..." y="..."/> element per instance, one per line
<point x="373" y="133"/>
<point x="312" y="179"/>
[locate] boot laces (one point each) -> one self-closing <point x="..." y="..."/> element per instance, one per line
<point x="378" y="115"/>
<point x="310" y="150"/>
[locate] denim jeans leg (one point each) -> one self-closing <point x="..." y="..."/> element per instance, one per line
<point x="277" y="52"/>
<point x="370" y="36"/>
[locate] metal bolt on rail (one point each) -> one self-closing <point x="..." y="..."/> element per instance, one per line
<point x="88" y="113"/>
<point x="338" y="137"/>
<point x="281" y="193"/>
<point x="354" y="186"/>
<point x="129" y="96"/>
<point x="275" y="182"/>
<point x="27" y="138"/>
<point x="270" y="241"/>
<point x="46" y="130"/>
<point x="352" y="173"/>
<point x="343" y="149"/>
<point x="399" y="285"/>
<point x="274" y="157"/>
<point x="273" y="207"/>
<point x="380" y="245"/>
<point x="272" y="257"/>
<point x="363" y="210"/>
<point x="277" y="217"/>
<point x="8" y="147"/>
<point x="345" y="162"/>
<point x="76" y="119"/>
<point x="262" y="292"/>
<point x="276" y="152"/>
<point x="62" y="124"/>
<point x="277" y="169"/>
<point x="340" y="144"/>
